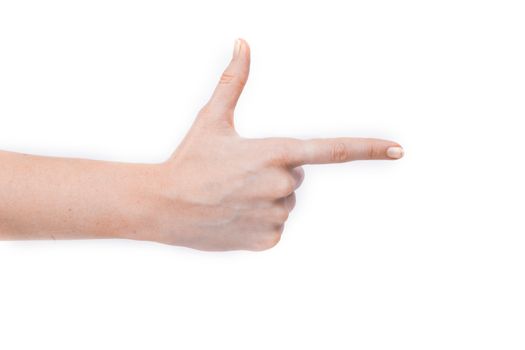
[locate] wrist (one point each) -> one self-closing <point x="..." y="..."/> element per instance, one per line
<point x="141" y="195"/>
<point x="159" y="207"/>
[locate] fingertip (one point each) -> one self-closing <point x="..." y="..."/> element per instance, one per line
<point x="396" y="152"/>
<point x="241" y="49"/>
<point x="244" y="43"/>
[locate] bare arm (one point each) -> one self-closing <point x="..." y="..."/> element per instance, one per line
<point x="218" y="191"/>
<point x="45" y="197"/>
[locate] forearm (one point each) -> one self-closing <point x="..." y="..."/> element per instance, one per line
<point x="58" y="198"/>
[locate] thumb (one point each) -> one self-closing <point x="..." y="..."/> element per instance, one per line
<point x="229" y="88"/>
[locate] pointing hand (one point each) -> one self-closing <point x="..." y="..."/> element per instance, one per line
<point x="225" y="192"/>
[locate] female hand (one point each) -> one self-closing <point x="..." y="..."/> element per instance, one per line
<point x="221" y="191"/>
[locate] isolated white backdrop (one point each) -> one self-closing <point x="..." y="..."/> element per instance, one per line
<point x="423" y="253"/>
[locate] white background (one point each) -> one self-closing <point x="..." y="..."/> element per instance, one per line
<point x="423" y="253"/>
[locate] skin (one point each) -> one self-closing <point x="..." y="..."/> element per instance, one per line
<point x="218" y="191"/>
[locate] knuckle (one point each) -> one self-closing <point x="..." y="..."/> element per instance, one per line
<point x="373" y="151"/>
<point x="226" y="78"/>
<point x="279" y="155"/>
<point x="281" y="214"/>
<point x="281" y="149"/>
<point x="291" y="201"/>
<point x="231" y="79"/>
<point x="339" y="152"/>
<point x="268" y="242"/>
<point x="274" y="239"/>
<point x="284" y="186"/>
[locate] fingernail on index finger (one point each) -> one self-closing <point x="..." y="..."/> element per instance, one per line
<point x="395" y="152"/>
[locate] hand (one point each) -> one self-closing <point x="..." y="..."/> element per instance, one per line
<point x="220" y="191"/>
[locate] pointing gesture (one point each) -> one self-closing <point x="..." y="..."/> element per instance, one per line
<point x="239" y="191"/>
<point x="218" y="191"/>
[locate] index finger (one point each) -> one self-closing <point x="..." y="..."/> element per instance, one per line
<point x="342" y="149"/>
